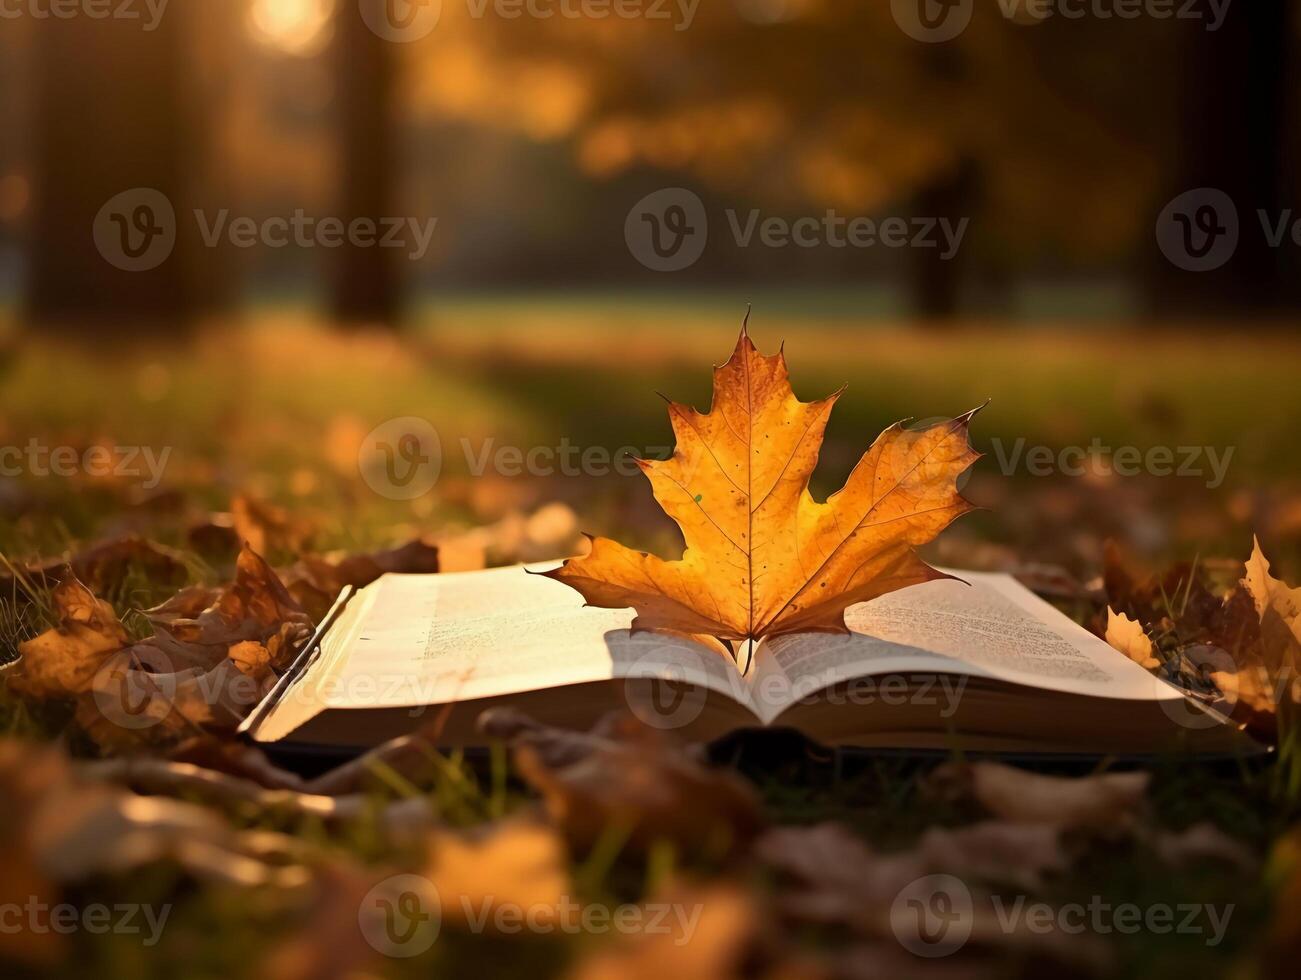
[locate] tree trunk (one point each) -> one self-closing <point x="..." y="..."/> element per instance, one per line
<point x="936" y="282"/>
<point x="119" y="157"/>
<point x="366" y="283"/>
<point x="1235" y="134"/>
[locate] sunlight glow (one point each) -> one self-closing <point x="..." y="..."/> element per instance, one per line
<point x="296" y="27"/>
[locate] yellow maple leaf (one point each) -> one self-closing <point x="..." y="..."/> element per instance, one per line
<point x="762" y="557"/>
<point x="1277" y="604"/>
<point x="1127" y="636"/>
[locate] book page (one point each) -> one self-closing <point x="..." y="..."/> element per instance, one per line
<point x="419" y="640"/>
<point x="993" y="628"/>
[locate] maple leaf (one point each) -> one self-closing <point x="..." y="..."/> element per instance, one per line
<point x="762" y="557"/>
<point x="1127" y="636"/>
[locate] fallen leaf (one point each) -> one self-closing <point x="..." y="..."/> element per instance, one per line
<point x="725" y="928"/>
<point x="627" y="776"/>
<point x="164" y="777"/>
<point x="102" y="568"/>
<point x="1279" y="609"/>
<point x="763" y="558"/>
<point x="268" y="529"/>
<point x="255" y="606"/>
<point x="326" y="943"/>
<point x="1242" y="646"/>
<point x="516" y="865"/>
<point x="1018" y="854"/>
<point x="1203" y="842"/>
<point x="1127" y="636"/>
<point x="316" y="581"/>
<point x="1104" y="802"/>
<point x="235" y="759"/>
<point x="834" y="878"/>
<point x="72" y="826"/>
<point x="206" y="666"/>
<point x="63" y="661"/>
<point x="28" y="775"/>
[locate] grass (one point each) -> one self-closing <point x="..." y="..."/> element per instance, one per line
<point x="278" y="406"/>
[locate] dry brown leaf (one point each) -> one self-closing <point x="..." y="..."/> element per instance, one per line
<point x="163" y="777"/>
<point x="549" y="532"/>
<point x="213" y="656"/>
<point x="1244" y="643"/>
<point x="268" y="529"/>
<point x="1127" y="636"/>
<point x="1279" y="609"/>
<point x="763" y="558"/>
<point x="62" y="662"/>
<point x="1104" y="802"/>
<point x="516" y="864"/>
<point x="316" y="581"/>
<point x="625" y="775"/>
<point x="1178" y="604"/>
<point x="103" y="567"/>
<point x="1203" y="842"/>
<point x="29" y="775"/>
<point x="235" y="759"/>
<point x="716" y="949"/>
<point x="71" y="826"/>
<point x="410" y="756"/>
<point x="255" y="606"/>
<point x="836" y="879"/>
<point x="326" y="943"/>
<point x="1018" y="854"/>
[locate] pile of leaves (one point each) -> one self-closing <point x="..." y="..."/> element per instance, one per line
<point x="1239" y="650"/>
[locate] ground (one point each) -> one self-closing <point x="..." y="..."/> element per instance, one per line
<point x="275" y="407"/>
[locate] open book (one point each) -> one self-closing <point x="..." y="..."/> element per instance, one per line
<point x="980" y="664"/>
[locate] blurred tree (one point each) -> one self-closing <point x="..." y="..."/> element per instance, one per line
<point x="1237" y="132"/>
<point x="1030" y="131"/>
<point x="365" y="286"/>
<point x="120" y="115"/>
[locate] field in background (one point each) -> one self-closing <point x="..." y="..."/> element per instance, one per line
<point x="277" y="406"/>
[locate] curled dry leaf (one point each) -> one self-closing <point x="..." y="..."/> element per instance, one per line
<point x="236" y="759"/>
<point x="64" y="826"/>
<point x="625" y="775"/>
<point x="255" y="606"/>
<point x="1105" y="802"/>
<point x="62" y="662"/>
<point x="1178" y="605"/>
<point x="1272" y="597"/>
<point x="316" y="581"/>
<point x="212" y="657"/>
<point x="410" y="756"/>
<point x="161" y="777"/>
<point x="102" y="567"/>
<point x="763" y="558"/>
<point x="1278" y="607"/>
<point x="1264" y="673"/>
<point x="268" y="529"/>
<point x="1127" y="636"/>
<point x="1246" y="643"/>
